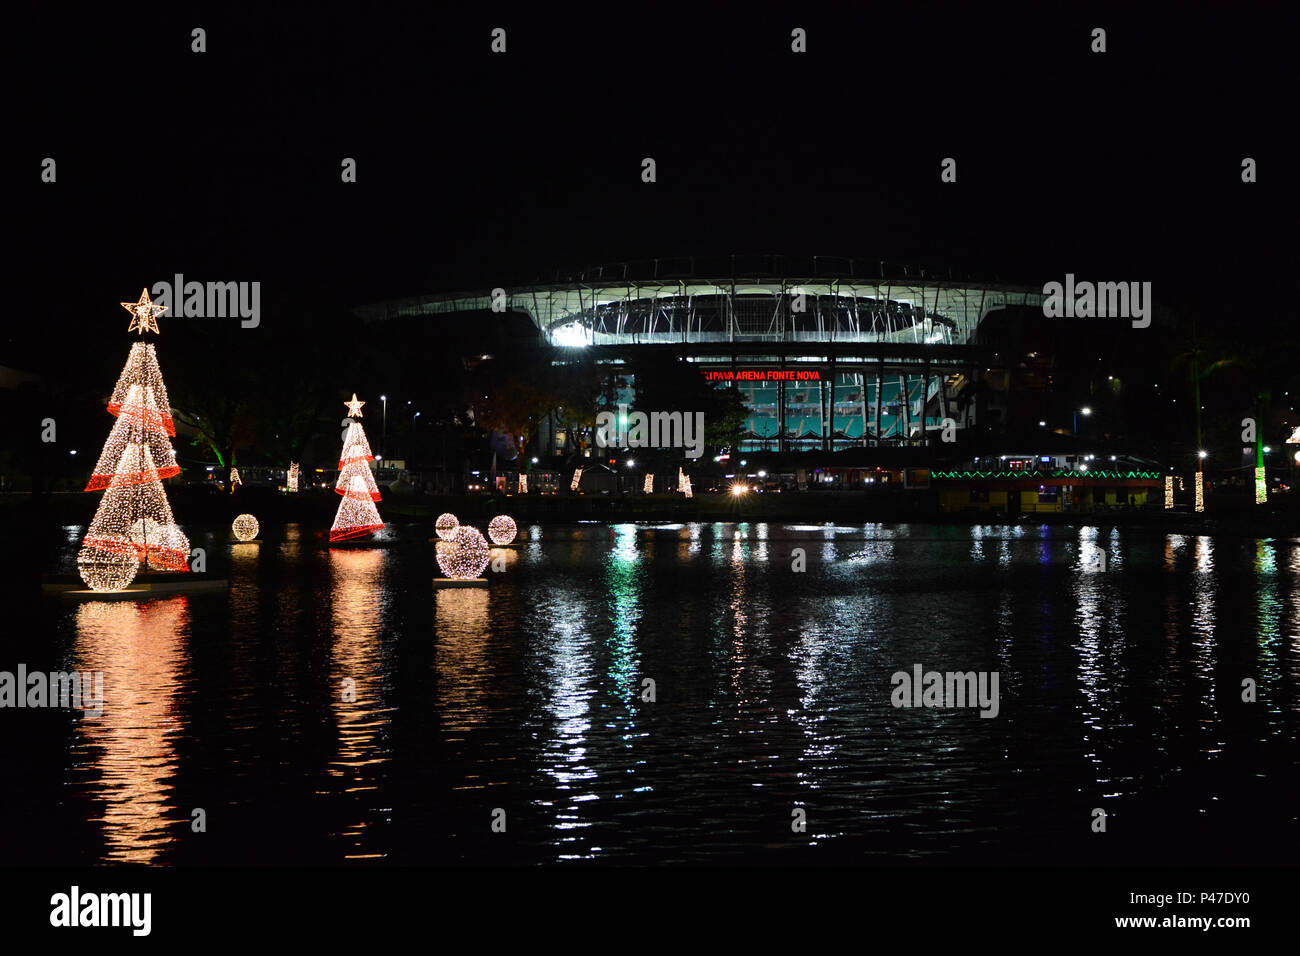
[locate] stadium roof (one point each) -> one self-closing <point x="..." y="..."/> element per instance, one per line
<point x="735" y="299"/>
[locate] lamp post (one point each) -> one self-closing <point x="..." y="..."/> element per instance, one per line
<point x="384" y="399"/>
<point x="1086" y="411"/>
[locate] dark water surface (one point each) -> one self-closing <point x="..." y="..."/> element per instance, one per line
<point x="1119" y="689"/>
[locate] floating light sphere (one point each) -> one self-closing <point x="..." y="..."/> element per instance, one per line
<point x="172" y="550"/>
<point x="245" y="527"/>
<point x="145" y="533"/>
<point x="465" y="555"/>
<point x="161" y="545"/>
<point x="446" y="526"/>
<point x="502" y="529"/>
<point x="104" y="570"/>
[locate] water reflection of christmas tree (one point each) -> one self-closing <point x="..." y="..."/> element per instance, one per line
<point x="134" y="520"/>
<point x="357" y="515"/>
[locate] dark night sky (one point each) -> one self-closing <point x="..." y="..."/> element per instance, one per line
<point x="476" y="170"/>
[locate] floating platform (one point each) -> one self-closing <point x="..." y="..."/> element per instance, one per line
<point x="355" y="544"/>
<point x="439" y="583"/>
<point x="137" y="590"/>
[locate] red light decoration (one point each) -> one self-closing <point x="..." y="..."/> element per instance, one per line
<point x="357" y="515"/>
<point x="134" y="521"/>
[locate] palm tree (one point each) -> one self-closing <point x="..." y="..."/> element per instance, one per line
<point x="1201" y="358"/>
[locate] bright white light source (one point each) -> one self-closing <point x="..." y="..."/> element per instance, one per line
<point x="502" y="529"/>
<point x="245" y="527"/>
<point x="574" y="335"/>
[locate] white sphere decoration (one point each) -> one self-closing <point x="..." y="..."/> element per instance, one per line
<point x="145" y="531"/>
<point x="502" y="529"/>
<point x="464" y="557"/>
<point x="446" y="525"/>
<point x="164" y="547"/>
<point x="245" y="527"/>
<point x="173" y="550"/>
<point x="107" y="570"/>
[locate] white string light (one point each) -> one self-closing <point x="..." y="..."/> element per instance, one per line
<point x="577" y="479"/>
<point x="107" y="570"/>
<point x="293" y="476"/>
<point x="134" y="521"/>
<point x="1200" y="491"/>
<point x="648" y="486"/>
<point x="1261" y="486"/>
<point x="1169" y="492"/>
<point x="245" y="527"/>
<point x="502" y="529"/>
<point x="465" y="555"/>
<point x="523" y="484"/>
<point x="357" y="515"/>
<point x="446" y="525"/>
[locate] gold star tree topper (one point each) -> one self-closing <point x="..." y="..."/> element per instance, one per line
<point x="144" y="314"/>
<point x="354" y="407"/>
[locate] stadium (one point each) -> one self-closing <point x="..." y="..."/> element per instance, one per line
<point x="829" y="353"/>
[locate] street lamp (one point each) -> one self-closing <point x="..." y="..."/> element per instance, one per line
<point x="1086" y="410"/>
<point x="384" y="399"/>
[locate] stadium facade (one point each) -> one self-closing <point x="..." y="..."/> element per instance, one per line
<point x="829" y="353"/>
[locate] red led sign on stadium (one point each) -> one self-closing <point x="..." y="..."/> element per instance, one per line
<point x="768" y="375"/>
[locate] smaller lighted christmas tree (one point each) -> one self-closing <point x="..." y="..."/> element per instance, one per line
<point x="357" y="515"/>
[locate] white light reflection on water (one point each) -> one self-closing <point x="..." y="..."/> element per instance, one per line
<point x="1099" y="617"/>
<point x="358" y="678"/>
<point x="1204" y="640"/>
<point x="131" y="746"/>
<point x="567" y="686"/>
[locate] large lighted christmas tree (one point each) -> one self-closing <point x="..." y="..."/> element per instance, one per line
<point x="357" y="514"/>
<point x="134" y="521"/>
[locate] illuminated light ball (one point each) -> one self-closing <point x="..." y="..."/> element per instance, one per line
<point x="145" y="531"/>
<point x="446" y="525"/>
<point x="465" y="555"/>
<point x="502" y="529"/>
<point x="245" y="527"/>
<point x="170" y="550"/>
<point x="107" y="570"/>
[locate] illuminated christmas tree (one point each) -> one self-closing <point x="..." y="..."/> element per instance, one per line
<point x="134" y="520"/>
<point x="357" y="514"/>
